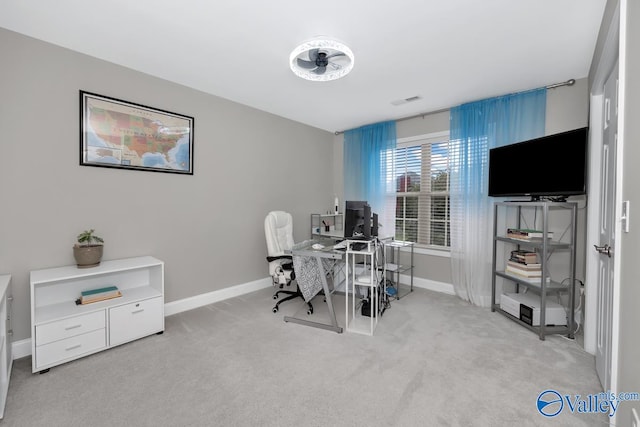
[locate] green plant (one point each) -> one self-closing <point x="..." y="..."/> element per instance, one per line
<point x="87" y="238"/>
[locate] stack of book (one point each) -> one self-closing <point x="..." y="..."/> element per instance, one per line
<point x="100" y="294"/>
<point x="524" y="256"/>
<point x="524" y="265"/>
<point x="527" y="234"/>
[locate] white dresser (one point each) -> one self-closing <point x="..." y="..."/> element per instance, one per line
<point x="63" y="331"/>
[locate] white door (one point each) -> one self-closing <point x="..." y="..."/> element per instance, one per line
<point x="607" y="230"/>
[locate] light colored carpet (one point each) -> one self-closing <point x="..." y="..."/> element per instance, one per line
<point x="434" y="361"/>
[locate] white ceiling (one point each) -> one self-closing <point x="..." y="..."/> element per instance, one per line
<point x="445" y="51"/>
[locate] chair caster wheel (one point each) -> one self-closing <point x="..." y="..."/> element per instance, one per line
<point x="275" y="297"/>
<point x="275" y="309"/>
<point x="309" y="311"/>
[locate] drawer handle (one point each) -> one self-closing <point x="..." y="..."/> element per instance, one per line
<point x="73" y="347"/>
<point x="73" y="327"/>
<point x="137" y="311"/>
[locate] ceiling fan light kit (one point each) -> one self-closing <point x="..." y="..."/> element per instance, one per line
<point x="321" y="59"/>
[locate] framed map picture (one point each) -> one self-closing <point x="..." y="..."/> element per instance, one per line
<point x="121" y="134"/>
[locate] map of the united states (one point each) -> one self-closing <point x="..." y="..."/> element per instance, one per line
<point x="129" y="136"/>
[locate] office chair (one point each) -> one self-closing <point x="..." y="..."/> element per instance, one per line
<point x="278" y="230"/>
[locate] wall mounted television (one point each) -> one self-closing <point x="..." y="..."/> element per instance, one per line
<point x="553" y="166"/>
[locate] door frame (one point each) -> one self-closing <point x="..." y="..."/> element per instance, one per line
<point x="612" y="53"/>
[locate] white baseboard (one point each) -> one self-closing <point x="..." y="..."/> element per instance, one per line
<point x="22" y="348"/>
<point x="432" y="285"/>
<point x="186" y="304"/>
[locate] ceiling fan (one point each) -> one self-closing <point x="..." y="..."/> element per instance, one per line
<point x="321" y="59"/>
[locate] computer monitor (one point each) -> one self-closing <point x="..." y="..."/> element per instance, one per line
<point x="374" y="225"/>
<point x="354" y="218"/>
<point x="357" y="222"/>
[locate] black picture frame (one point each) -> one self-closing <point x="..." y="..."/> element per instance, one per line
<point x="119" y="134"/>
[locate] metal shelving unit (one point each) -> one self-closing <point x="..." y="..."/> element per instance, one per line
<point x="395" y="265"/>
<point x="545" y="248"/>
<point x="327" y="225"/>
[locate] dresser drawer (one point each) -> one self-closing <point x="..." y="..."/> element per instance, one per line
<point x="70" y="327"/>
<point x="70" y="348"/>
<point x="135" y="320"/>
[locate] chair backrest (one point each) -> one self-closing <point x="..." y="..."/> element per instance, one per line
<point x="278" y="231"/>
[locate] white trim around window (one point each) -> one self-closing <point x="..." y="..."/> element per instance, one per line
<point x="425" y="250"/>
<point x="419" y="140"/>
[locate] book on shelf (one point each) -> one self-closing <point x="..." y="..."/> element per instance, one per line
<point x="524" y="256"/>
<point x="526" y="278"/>
<point x="99" y="294"/>
<point x="532" y="263"/>
<point x="524" y="266"/>
<point x="527" y="234"/>
<point x="523" y="273"/>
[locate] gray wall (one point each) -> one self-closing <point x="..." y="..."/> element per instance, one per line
<point x="629" y="315"/>
<point x="567" y="108"/>
<point x="208" y="228"/>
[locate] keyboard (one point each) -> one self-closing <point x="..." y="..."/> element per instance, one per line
<point x="358" y="246"/>
<point x="355" y="246"/>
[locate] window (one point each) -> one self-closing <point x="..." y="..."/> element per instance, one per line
<point x="418" y="177"/>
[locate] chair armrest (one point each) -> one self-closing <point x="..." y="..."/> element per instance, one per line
<point x="274" y="258"/>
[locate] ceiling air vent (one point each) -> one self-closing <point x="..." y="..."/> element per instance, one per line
<point x="406" y="100"/>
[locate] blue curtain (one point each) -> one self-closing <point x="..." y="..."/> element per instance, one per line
<point x="365" y="163"/>
<point x="475" y="128"/>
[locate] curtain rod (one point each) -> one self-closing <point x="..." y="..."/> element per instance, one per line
<point x="569" y="82"/>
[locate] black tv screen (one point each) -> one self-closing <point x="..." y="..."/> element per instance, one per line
<point x="553" y="165"/>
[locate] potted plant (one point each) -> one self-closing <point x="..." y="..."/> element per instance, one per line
<point x="88" y="250"/>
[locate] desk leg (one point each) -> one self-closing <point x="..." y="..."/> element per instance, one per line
<point x="332" y="315"/>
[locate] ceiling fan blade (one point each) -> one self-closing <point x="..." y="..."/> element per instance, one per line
<point x="305" y="64"/>
<point x="313" y="54"/>
<point x="319" y="70"/>
<point x="336" y="54"/>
